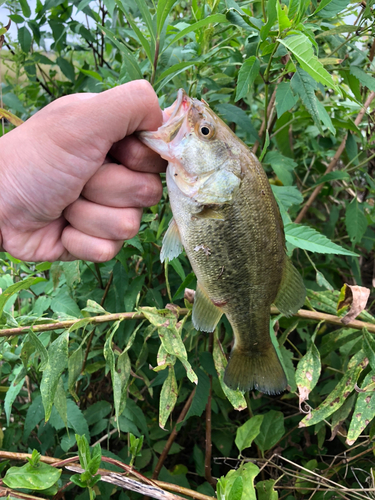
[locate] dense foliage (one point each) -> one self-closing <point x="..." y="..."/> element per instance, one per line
<point x="291" y="79"/>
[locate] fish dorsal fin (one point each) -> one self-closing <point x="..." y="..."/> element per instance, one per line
<point x="172" y="245"/>
<point x="205" y="314"/>
<point x="292" y="292"/>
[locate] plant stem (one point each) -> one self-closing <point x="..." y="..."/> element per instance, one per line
<point x="156" y="57"/>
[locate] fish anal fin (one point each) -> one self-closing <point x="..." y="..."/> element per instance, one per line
<point x="206" y="315"/>
<point x="260" y="370"/>
<point x="172" y="245"/>
<point x="292" y="292"/>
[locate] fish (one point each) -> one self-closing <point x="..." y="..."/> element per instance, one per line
<point x="226" y="218"/>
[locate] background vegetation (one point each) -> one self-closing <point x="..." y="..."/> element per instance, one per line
<point x="291" y="78"/>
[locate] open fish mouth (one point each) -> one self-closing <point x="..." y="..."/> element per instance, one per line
<point x="173" y="119"/>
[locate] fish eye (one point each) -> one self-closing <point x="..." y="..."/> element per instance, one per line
<point x="206" y="130"/>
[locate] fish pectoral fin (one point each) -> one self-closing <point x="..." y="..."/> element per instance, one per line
<point x="172" y="245"/>
<point x="211" y="212"/>
<point x="205" y="314"/>
<point x="292" y="292"/>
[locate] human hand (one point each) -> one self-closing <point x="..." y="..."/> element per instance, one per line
<point x="61" y="197"/>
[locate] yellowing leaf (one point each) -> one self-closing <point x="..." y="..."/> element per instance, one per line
<point x="13" y="119"/>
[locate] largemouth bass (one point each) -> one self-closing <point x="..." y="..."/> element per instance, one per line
<point x="228" y="221"/>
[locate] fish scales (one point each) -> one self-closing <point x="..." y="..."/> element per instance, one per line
<point x="227" y="219"/>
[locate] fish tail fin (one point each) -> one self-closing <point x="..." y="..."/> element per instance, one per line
<point x="247" y="370"/>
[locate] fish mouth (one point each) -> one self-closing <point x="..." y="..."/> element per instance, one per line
<point x="173" y="119"/>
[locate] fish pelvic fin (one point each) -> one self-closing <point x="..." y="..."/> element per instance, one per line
<point x="205" y="314"/>
<point x="292" y="292"/>
<point x="247" y="370"/>
<point x="172" y="245"/>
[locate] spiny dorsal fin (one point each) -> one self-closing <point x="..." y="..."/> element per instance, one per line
<point x="292" y="292"/>
<point x="205" y="314"/>
<point x="172" y="246"/>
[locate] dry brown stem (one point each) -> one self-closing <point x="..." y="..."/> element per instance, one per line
<point x="334" y="160"/>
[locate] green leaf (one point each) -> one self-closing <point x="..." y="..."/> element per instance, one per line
<point x="365" y="79"/>
<point x="333" y="176"/>
<point x="301" y="48"/>
<point x="57" y="362"/>
<point x="216" y="18"/>
<point x="246" y="76"/>
<point x="355" y="221"/>
<point x="331" y="8"/>
<point x="67" y="69"/>
<point x="24" y="39"/>
<point x="26" y="11"/>
<point x="13" y="391"/>
<point x="168" y="397"/>
<point x="162" y="12"/>
<point x="237" y="115"/>
<point x="287" y="195"/>
<point x="282" y="17"/>
<point x="60" y="402"/>
<point x="17" y="287"/>
<point x="132" y="66"/>
<point x="265" y="146"/>
<point x="39" y="347"/>
<point x="346" y="28"/>
<point x="246" y="434"/>
<point x="282" y="166"/>
<point x="32" y="478"/>
<point x="308" y="238"/>
<point x="325" y="118"/>
<point x="369" y="347"/>
<point x="285" y="98"/>
<point x="271" y="430"/>
<point x="200" y="398"/>
<point x="364" y="411"/>
<point x="271" y="18"/>
<point x="339" y="394"/>
<point x="34" y="415"/>
<point x="265" y="490"/>
<point x="236" y="398"/>
<point x="144" y="42"/>
<point x="308" y="372"/>
<point x="236" y="490"/>
<point x="304" y="85"/>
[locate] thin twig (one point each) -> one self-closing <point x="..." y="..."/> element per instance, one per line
<point x="107" y="318"/>
<point x="334" y="160"/>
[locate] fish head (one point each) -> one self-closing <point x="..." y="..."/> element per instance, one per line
<point x="196" y="143"/>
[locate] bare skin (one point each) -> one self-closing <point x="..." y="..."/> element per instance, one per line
<point x="74" y="179"/>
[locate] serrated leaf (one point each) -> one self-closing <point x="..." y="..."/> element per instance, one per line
<point x="246" y="76"/>
<point x="60" y="402"/>
<point x="285" y="98"/>
<point x="355" y="221"/>
<point x="304" y="85"/>
<point x="301" y="48"/>
<point x="365" y="79"/>
<point x="168" y="397"/>
<point x="308" y="238"/>
<point x="34" y="415"/>
<point x="339" y="394"/>
<point x="287" y="195"/>
<point x="57" y="362"/>
<point x="246" y="434"/>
